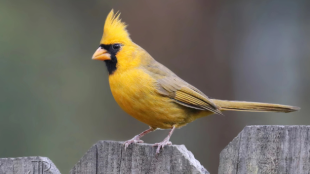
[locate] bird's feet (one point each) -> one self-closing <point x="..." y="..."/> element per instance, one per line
<point x="162" y="144"/>
<point x="135" y="139"/>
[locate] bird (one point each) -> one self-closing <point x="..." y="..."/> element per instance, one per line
<point x="152" y="93"/>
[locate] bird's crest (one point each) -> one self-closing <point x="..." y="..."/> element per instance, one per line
<point x="114" y="30"/>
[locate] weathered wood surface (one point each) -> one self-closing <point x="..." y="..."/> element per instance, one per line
<point x="27" y="165"/>
<point x="268" y="150"/>
<point x="109" y="157"/>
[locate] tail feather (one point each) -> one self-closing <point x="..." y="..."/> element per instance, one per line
<point x="253" y="106"/>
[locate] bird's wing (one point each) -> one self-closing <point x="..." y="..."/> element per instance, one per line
<point x="172" y="86"/>
<point x="184" y="94"/>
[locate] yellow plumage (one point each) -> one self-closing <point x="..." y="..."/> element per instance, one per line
<point x="114" y="30"/>
<point x="153" y="94"/>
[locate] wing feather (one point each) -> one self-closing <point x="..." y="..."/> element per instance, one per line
<point x="181" y="92"/>
<point x="185" y="94"/>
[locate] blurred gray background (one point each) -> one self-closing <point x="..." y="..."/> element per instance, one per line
<point x="56" y="102"/>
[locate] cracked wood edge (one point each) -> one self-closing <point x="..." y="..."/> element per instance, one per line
<point x="111" y="157"/>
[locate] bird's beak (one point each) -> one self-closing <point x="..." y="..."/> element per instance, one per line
<point x="101" y="54"/>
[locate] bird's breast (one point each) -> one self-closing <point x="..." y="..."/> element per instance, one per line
<point x="135" y="92"/>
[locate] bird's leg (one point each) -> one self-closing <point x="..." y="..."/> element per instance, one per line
<point x="165" y="141"/>
<point x="136" y="139"/>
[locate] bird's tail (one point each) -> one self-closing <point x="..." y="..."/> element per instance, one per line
<point x="225" y="105"/>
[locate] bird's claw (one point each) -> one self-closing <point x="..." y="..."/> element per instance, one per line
<point x="133" y="140"/>
<point x="161" y="145"/>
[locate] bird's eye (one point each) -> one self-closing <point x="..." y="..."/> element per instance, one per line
<point x="116" y="46"/>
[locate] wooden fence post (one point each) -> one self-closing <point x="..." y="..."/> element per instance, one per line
<point x="27" y="165"/>
<point x="256" y="150"/>
<point x="110" y="157"/>
<point x="268" y="149"/>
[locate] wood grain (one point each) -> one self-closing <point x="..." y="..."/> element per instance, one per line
<point x="109" y="157"/>
<point x="268" y="149"/>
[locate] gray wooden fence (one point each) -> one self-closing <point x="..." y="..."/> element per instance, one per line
<point x="256" y="150"/>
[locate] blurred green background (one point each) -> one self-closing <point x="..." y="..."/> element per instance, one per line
<point x="56" y="102"/>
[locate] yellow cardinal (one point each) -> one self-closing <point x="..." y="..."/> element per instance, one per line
<point x="152" y="93"/>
